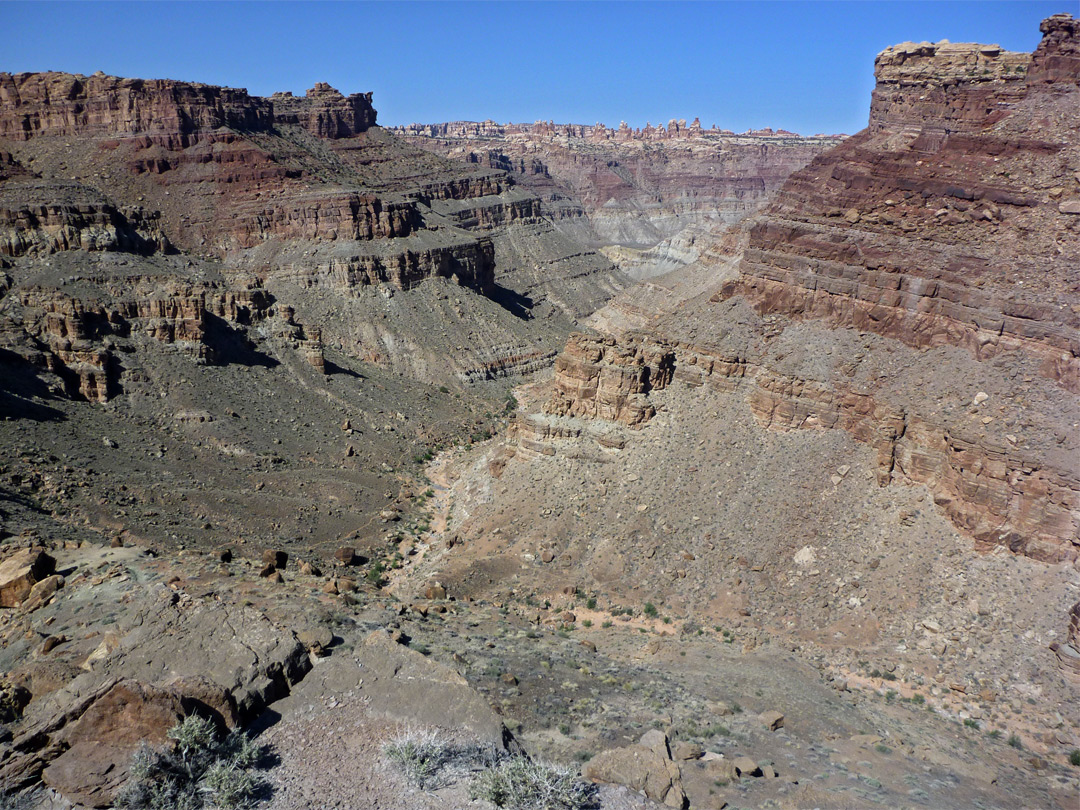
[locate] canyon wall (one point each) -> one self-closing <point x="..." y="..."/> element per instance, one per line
<point x="947" y="232"/>
<point x="953" y="219"/>
<point x="631" y="187"/>
<point x="304" y="198"/>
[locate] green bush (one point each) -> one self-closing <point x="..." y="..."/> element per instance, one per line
<point x="1015" y="742"/>
<point x="199" y="769"/>
<point x="1074" y="757"/>
<point x="519" y="783"/>
<point x="650" y="610"/>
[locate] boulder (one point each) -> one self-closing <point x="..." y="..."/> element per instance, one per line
<point x="435" y="591"/>
<point x="20" y="572"/>
<point x="42" y="592"/>
<point x="656" y="740"/>
<point x="772" y="720"/>
<point x="13" y="699"/>
<point x="639" y="768"/>
<point x="100" y="743"/>
<point x="275" y="557"/>
<point x="316" y="639"/>
<point x="745" y="766"/>
<point x="682" y="751"/>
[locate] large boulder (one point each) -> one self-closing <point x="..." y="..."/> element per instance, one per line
<point x="401" y="685"/>
<point x="640" y="768"/>
<point x="102" y="741"/>
<point x="20" y="572"/>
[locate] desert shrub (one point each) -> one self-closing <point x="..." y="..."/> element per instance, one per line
<point x="519" y="783"/>
<point x="1074" y="757"/>
<point x="420" y="755"/>
<point x="650" y="610"/>
<point x="200" y="769"/>
<point x="1015" y="741"/>
<point x="429" y="759"/>
<point x="13" y="801"/>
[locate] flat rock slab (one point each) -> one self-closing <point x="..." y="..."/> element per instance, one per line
<point x="399" y="684"/>
<point x="234" y="647"/>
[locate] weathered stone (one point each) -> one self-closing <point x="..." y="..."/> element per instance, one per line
<point x="316" y="639"/>
<point x="278" y="559"/>
<point x="640" y="769"/>
<point x="745" y="766"/>
<point x="435" y="591"/>
<point x="42" y="592"/>
<point x="772" y="720"/>
<point x="683" y="751"/>
<point x="20" y="572"/>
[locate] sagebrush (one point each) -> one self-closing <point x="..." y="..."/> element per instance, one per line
<point x="201" y="769"/>
<point x="519" y="783"/>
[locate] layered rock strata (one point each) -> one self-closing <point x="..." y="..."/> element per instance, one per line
<point x="948" y="220"/>
<point x="302" y="198"/>
<point x="631" y="187"/>
<point x="991" y="487"/>
<point x="945" y="224"/>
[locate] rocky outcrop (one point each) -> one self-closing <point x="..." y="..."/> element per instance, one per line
<point x="935" y="90"/>
<point x="324" y="112"/>
<point x="347" y="272"/>
<point x="33" y="104"/>
<point x="180" y="656"/>
<point x="993" y="489"/>
<point x="646" y="767"/>
<point x="77" y="334"/>
<point x="20" y="572"/>
<point x="50" y="227"/>
<point x="942" y="223"/>
<point x="604" y="379"/>
<point x="101" y="742"/>
<point x="1057" y="59"/>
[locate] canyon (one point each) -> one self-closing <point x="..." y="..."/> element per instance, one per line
<point x="641" y="196"/>
<point x="737" y="469"/>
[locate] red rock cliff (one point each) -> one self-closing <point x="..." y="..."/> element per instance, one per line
<point x="953" y="219"/>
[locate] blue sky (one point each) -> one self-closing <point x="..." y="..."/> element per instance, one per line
<point x="803" y="66"/>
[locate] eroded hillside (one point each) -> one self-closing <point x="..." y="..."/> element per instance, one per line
<point x="794" y="525"/>
<point x="645" y="197"/>
<point x="850" y="428"/>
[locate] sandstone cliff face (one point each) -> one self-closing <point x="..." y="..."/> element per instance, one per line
<point x="948" y="221"/>
<point x="83" y="330"/>
<point x="326" y="113"/>
<point x="304" y="198"/>
<point x="629" y="187"/>
<point x="33" y="104"/>
<point x="998" y="489"/>
<point x="945" y="225"/>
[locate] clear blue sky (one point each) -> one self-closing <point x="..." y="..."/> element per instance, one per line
<point x="804" y="66"/>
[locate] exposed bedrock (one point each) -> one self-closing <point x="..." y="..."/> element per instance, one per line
<point x="86" y="332"/>
<point x="995" y="490"/>
<point x="33" y="104"/>
<point x="630" y="187"/>
<point x="950" y="220"/>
